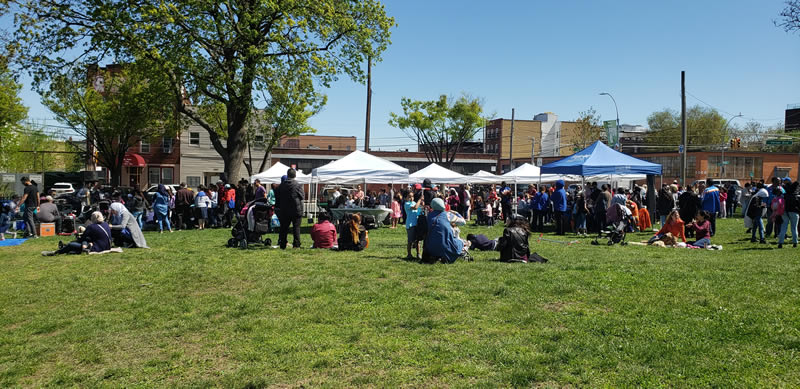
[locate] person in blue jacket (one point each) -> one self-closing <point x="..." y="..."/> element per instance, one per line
<point x="559" y="199"/>
<point x="711" y="203"/>
<point x="540" y="209"/>
<point x="441" y="241"/>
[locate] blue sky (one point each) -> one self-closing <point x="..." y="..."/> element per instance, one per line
<point x="556" y="56"/>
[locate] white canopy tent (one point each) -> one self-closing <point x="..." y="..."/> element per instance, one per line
<point x="275" y="172"/>
<point x="528" y="174"/>
<point x="484" y="177"/>
<point x="438" y="174"/>
<point x="359" y="167"/>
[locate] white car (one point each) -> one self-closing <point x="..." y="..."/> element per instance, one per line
<point x="62" y="188"/>
<point x="153" y="188"/>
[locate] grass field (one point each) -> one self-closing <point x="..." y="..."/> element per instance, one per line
<point x="191" y="313"/>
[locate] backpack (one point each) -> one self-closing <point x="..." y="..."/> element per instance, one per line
<point x="421" y="230"/>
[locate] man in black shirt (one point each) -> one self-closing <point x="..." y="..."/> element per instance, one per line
<point x="30" y="197"/>
<point x="289" y="202"/>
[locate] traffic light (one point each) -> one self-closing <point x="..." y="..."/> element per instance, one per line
<point x="733" y="142"/>
<point x="738" y="142"/>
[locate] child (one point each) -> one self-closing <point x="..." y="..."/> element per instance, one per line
<point x="489" y="217"/>
<point x="702" y="230"/>
<point x="397" y="213"/>
<point x="412" y="213"/>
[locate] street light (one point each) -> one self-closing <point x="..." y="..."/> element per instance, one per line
<point x="619" y="147"/>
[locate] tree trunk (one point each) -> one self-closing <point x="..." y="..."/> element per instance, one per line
<point x="116" y="174"/>
<point x="235" y="157"/>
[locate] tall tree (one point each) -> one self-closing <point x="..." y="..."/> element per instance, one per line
<point x="440" y="127"/>
<point x="222" y="52"/>
<point x="704" y="126"/>
<point x="115" y="110"/>
<point x="587" y="129"/>
<point x="285" y="114"/>
<point x="790" y="16"/>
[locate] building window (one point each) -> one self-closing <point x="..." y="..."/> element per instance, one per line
<point x="154" y="175"/>
<point x="734" y="167"/>
<point x="144" y="146"/>
<point x="194" y="138"/>
<point x="330" y="147"/>
<point x="193" y="181"/>
<point x="258" y="141"/>
<point x="166" y="175"/>
<point x="166" y="145"/>
<point x="348" y="148"/>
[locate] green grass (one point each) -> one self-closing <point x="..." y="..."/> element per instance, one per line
<point x="190" y="312"/>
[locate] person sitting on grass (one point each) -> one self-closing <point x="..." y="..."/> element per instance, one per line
<point x="95" y="238"/>
<point x="413" y="210"/>
<point x="441" y="242"/>
<point x="702" y="230"/>
<point x="6" y="218"/>
<point x="323" y="233"/>
<point x="673" y="225"/>
<point x="481" y="242"/>
<point x="513" y="245"/>
<point x="127" y="233"/>
<point x="354" y="236"/>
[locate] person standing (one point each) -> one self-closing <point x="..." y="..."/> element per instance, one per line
<point x="711" y="204"/>
<point x="756" y="210"/>
<point x="260" y="192"/>
<point x="559" y="199"/>
<point x="30" y="198"/>
<point x="183" y="206"/>
<point x="791" y="211"/>
<point x="161" y="208"/>
<point x="289" y="202"/>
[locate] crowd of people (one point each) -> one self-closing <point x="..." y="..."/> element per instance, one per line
<point x="430" y="214"/>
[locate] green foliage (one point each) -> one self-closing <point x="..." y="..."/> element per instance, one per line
<point x="18" y="142"/>
<point x="223" y="53"/>
<point x="704" y="127"/>
<point x="291" y="101"/>
<point x="12" y="111"/>
<point x="134" y="104"/>
<point x="587" y="129"/>
<point x="190" y="313"/>
<point x="440" y="127"/>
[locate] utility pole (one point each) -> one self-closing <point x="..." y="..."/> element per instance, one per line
<point x="684" y="150"/>
<point x="511" y="144"/>
<point x="369" y="102"/>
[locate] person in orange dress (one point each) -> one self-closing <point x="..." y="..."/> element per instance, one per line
<point x="674" y="226"/>
<point x="644" y="219"/>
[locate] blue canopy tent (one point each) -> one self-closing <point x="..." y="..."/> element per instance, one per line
<point x="599" y="159"/>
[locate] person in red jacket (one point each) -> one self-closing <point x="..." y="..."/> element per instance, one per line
<point x="229" y="204"/>
<point x="323" y="233"/>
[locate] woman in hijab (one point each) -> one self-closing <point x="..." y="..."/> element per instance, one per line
<point x="441" y="241"/>
<point x="161" y="208"/>
<point x="127" y="233"/>
<point x="95" y="238"/>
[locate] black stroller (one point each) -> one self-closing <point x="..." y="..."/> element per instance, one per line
<point x="618" y="218"/>
<point x="251" y="225"/>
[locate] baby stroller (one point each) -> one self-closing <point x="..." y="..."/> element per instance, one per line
<point x="618" y="218"/>
<point x="252" y="223"/>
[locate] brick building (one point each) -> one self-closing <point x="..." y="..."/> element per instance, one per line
<point x="152" y="161"/>
<point x="544" y="136"/>
<point x="741" y="165"/>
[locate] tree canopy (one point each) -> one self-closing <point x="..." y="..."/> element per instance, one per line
<point x="705" y="127"/>
<point x="587" y="129"/>
<point x="114" y="114"/>
<point x="221" y="52"/>
<point x="440" y="127"/>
